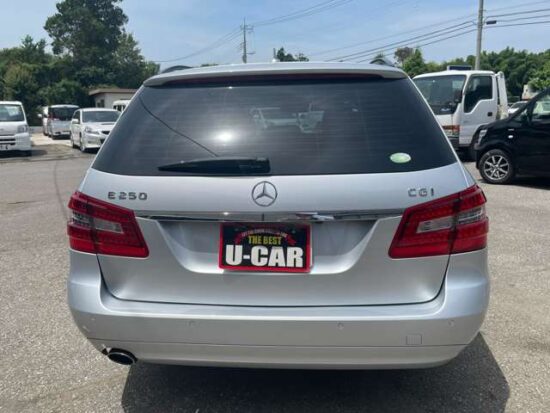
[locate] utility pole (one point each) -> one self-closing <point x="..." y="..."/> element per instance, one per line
<point x="245" y="28"/>
<point x="479" y="35"/>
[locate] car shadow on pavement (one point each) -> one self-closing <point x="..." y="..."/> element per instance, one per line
<point x="473" y="382"/>
<point x="20" y="155"/>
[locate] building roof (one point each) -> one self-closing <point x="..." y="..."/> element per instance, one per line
<point x="111" y="90"/>
<point x="97" y="110"/>
<point x="276" y="68"/>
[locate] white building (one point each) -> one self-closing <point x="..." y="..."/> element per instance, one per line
<point x="105" y="97"/>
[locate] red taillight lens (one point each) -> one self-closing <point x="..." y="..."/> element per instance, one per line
<point x="102" y="228"/>
<point x="452" y="130"/>
<point x="453" y="224"/>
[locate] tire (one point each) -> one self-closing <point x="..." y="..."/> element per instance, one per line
<point x="82" y="146"/>
<point x="72" y="141"/>
<point x="497" y="167"/>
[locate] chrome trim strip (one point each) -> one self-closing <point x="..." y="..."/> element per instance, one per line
<point x="268" y="217"/>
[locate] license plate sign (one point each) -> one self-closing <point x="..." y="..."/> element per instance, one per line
<point x="270" y="247"/>
<point x="4" y="147"/>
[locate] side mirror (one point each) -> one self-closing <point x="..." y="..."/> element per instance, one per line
<point x="40" y="116"/>
<point x="75" y="121"/>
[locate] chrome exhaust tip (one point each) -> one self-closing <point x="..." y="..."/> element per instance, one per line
<point x="121" y="357"/>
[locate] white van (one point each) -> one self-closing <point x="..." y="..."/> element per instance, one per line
<point x="121" y="104"/>
<point x="464" y="100"/>
<point x="14" y="130"/>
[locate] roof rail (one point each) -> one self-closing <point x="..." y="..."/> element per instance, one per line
<point x="382" y="61"/>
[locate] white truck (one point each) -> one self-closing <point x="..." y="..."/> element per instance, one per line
<point x="463" y="101"/>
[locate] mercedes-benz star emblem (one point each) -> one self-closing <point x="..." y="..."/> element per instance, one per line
<point x="264" y="193"/>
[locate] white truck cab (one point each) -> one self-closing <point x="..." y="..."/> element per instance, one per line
<point x="121" y="104"/>
<point x="464" y="100"/>
<point x="14" y="130"/>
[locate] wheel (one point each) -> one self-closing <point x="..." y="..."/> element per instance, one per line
<point x="82" y="145"/>
<point x="72" y="141"/>
<point x="497" y="167"/>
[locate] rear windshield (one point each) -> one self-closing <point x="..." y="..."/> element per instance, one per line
<point x="443" y="93"/>
<point x="303" y="127"/>
<point x="11" y="113"/>
<point x="65" y="113"/>
<point x="100" y="116"/>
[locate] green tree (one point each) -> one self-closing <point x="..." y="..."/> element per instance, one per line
<point x="129" y="68"/>
<point x="90" y="31"/>
<point x="283" y="56"/>
<point x="403" y="53"/>
<point x="64" y="91"/>
<point x="20" y="83"/>
<point x="415" y="64"/>
<point x="541" y="78"/>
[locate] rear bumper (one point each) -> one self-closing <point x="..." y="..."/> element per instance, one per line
<point x="61" y="133"/>
<point x="397" y="336"/>
<point x="454" y="141"/>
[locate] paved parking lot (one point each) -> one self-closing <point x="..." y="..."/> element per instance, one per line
<point x="46" y="365"/>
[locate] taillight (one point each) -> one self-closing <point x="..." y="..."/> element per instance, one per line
<point x="453" y="224"/>
<point x="103" y="228"/>
<point x="452" y="130"/>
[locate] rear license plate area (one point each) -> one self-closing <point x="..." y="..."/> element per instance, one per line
<point x="265" y="247"/>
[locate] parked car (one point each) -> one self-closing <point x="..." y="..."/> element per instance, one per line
<point x="91" y="126"/>
<point x="56" y="120"/>
<point x="464" y="100"/>
<point x="197" y="237"/>
<point x="514" y="107"/>
<point x="14" y="130"/>
<point x="121" y="104"/>
<point x="519" y="144"/>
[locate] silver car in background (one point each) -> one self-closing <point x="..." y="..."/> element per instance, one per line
<point x="58" y="121"/>
<point x="201" y="237"/>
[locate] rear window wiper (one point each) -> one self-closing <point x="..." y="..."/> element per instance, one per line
<point x="221" y="165"/>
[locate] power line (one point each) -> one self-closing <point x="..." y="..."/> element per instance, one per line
<point x="456" y="35"/>
<point x="320" y="7"/>
<point x="214" y="45"/>
<point x="391" y="36"/>
<point x="518" y="6"/>
<point x="323" y="6"/>
<point x="419" y="45"/>
<point x="523" y="18"/>
<point x="519" y="12"/>
<point x="518" y="24"/>
<point x="426" y="36"/>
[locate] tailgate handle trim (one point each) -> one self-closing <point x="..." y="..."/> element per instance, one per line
<point x="268" y="217"/>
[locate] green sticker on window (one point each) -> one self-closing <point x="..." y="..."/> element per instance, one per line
<point x="400" y="157"/>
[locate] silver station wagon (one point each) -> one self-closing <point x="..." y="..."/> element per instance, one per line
<point x="306" y="215"/>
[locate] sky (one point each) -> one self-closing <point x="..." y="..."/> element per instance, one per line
<point x="169" y="29"/>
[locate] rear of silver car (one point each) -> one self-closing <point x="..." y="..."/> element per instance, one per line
<point x="59" y="120"/>
<point x="346" y="238"/>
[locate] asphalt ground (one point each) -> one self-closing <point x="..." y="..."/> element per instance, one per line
<point x="46" y="365"/>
